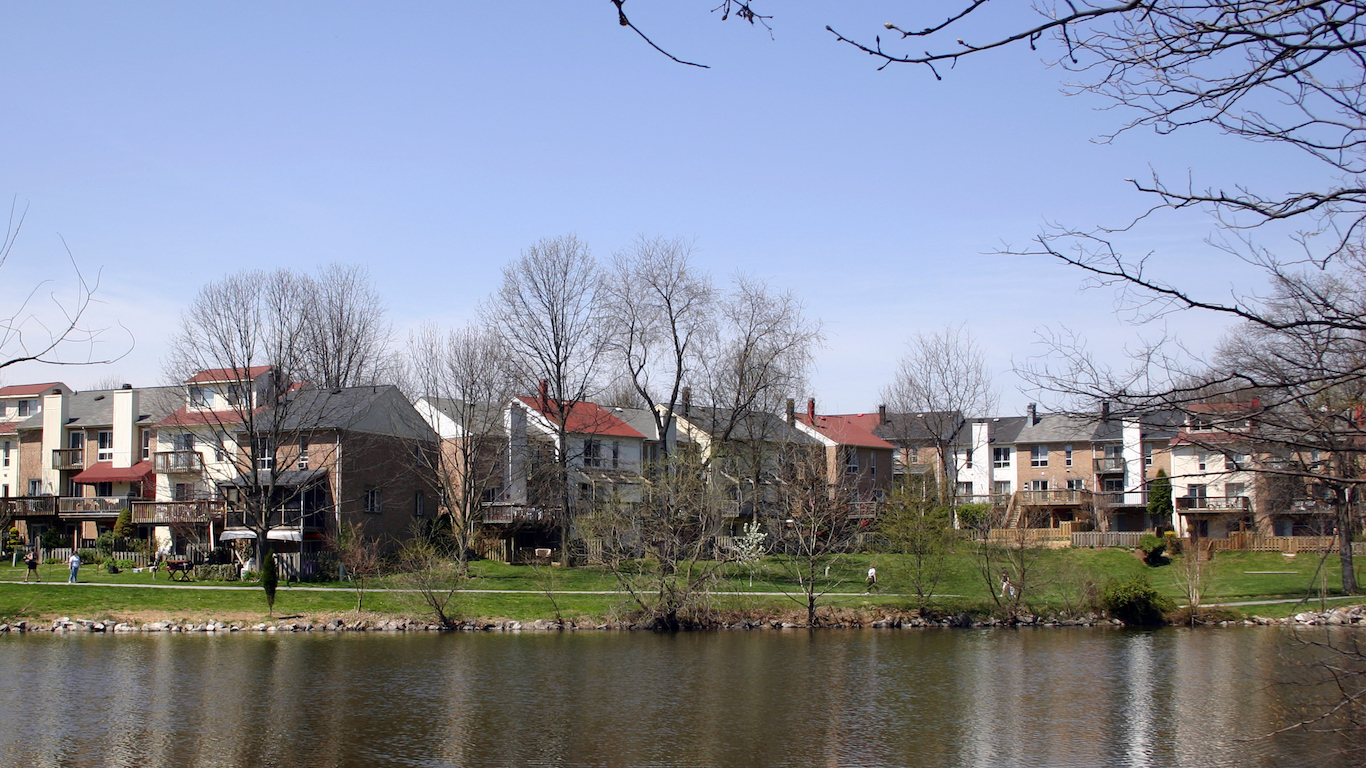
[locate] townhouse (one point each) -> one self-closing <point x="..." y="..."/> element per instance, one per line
<point x="858" y="462"/>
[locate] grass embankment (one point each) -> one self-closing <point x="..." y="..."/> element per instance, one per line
<point x="1059" y="580"/>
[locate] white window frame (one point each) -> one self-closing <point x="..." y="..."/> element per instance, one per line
<point x="851" y="461"/>
<point x="6" y="454"/>
<point x="1038" y="456"/>
<point x="104" y="442"/>
<point x="374" y="501"/>
<point x="1067" y="455"/>
<point x="1000" y="458"/>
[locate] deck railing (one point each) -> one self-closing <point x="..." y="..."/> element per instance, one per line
<point x="1214" y="503"/>
<point x="30" y="506"/>
<point x="1109" y="464"/>
<point x="168" y="512"/>
<point x="172" y="462"/>
<point x="68" y="458"/>
<point x="1054" y="497"/>
<point x="84" y="505"/>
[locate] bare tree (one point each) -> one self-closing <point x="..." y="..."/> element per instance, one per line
<point x="347" y="338"/>
<point x="241" y="350"/>
<point x="464" y="383"/>
<point x="813" y="527"/>
<point x="549" y="316"/>
<point x="662" y="547"/>
<point x="663" y="315"/>
<point x="62" y="334"/>
<point x="359" y="555"/>
<point x="944" y="379"/>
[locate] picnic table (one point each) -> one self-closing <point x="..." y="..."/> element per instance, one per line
<point x="179" y="570"/>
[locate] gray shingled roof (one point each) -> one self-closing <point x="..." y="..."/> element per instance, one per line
<point x="95" y="407"/>
<point x="918" y="428"/>
<point x="487" y="417"/>
<point x="639" y="419"/>
<point x="379" y="410"/>
<point x="750" y="425"/>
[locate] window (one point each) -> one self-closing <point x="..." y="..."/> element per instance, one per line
<point x="1147" y="455"/>
<point x="237" y="396"/>
<point x="1195" y="491"/>
<point x="3" y="408"/>
<point x="183" y="442"/>
<point x="6" y="455"/>
<point x="25" y="408"/>
<point x="106" y="443"/>
<point x="1038" y="456"/>
<point x="1233" y="460"/>
<point x="1000" y="458"/>
<point x="1001" y="487"/>
<point x="199" y="397"/>
<point x="489" y="495"/>
<point x="616" y="453"/>
<point x="1113" y="485"/>
<point x="374" y="501"/>
<point x="219" y="452"/>
<point x="1198" y="424"/>
<point x="419" y="504"/>
<point x="4" y="490"/>
<point x="1076" y="484"/>
<point x="963" y="489"/>
<point x="265" y="456"/>
<point x="1067" y="455"/>
<point x="146" y="444"/>
<point x="1202" y="459"/>
<point x="35" y="487"/>
<point x="1114" y="452"/>
<point x="184" y="491"/>
<point x="303" y="453"/>
<point x="851" y="461"/>
<point x="104" y="489"/>
<point x="1234" y="490"/>
<point x="75" y="440"/>
<point x="592" y="453"/>
<point x="1038" y="485"/>
<point x="966" y="454"/>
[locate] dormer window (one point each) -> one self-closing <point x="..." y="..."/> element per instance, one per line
<point x="199" y="397"/>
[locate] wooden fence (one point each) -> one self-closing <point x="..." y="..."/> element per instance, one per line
<point x="1093" y="539"/>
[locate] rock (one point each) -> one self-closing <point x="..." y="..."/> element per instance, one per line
<point x="514" y="626"/>
<point x="1304" y="618"/>
<point x="123" y="627"/>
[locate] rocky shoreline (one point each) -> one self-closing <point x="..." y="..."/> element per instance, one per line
<point x="1344" y="616"/>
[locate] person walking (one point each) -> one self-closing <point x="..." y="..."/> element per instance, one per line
<point x="1006" y="585"/>
<point x="31" y="563"/>
<point x="75" y="563"/>
<point x="872" y="579"/>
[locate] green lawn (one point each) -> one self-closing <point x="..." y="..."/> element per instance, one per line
<point x="1058" y="578"/>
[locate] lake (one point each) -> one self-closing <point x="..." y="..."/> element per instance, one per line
<point x="1035" y="697"/>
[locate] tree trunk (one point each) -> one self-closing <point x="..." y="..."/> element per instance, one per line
<point x="1345" y="526"/>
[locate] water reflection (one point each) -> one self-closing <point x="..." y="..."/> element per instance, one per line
<point x="1054" y="697"/>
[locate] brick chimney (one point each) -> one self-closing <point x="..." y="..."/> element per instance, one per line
<point x="811" y="410"/>
<point x="543" y="395"/>
<point x="1033" y="411"/>
<point x="881" y="415"/>
<point x="791" y="412"/>
<point x="687" y="401"/>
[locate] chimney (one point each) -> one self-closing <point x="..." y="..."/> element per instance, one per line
<point x="54" y="438"/>
<point x="125" y="416"/>
<point x="791" y="412"/>
<point x="543" y="394"/>
<point x="1033" y="411"/>
<point x="687" y="401"/>
<point x="811" y="410"/>
<point x="881" y="415"/>
<point x="1105" y="409"/>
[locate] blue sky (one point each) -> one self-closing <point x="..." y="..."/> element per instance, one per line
<point x="171" y="143"/>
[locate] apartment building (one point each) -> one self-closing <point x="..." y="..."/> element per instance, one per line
<point x="858" y="462"/>
<point x="18" y="403"/>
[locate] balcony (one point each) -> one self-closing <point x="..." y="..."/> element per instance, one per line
<point x="92" y="505"/>
<point x="506" y="514"/>
<point x="994" y="499"/>
<point x="862" y="510"/>
<point x="1311" y="507"/>
<point x="68" y="458"/>
<point x="170" y="512"/>
<point x="1214" y="503"/>
<point x="32" y="506"/>
<point x="1054" y="498"/>
<point x="1108" y="465"/>
<point x="1122" y="498"/>
<point x="177" y="462"/>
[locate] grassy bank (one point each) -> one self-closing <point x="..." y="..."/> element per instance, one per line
<point x="1059" y="580"/>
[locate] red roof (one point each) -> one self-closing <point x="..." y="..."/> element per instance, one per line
<point x="104" y="472"/>
<point x="9" y="428"/>
<point x="15" y="390"/>
<point x="227" y="374"/>
<point x="187" y="418"/>
<point x="584" y="418"/>
<point x="849" y="430"/>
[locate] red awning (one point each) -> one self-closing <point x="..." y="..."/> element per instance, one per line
<point x="104" y="472"/>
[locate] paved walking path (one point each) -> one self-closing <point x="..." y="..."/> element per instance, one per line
<point x="1282" y="601"/>
<point x="343" y="590"/>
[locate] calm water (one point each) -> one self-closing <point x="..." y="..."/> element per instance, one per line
<point x="1049" y="697"/>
